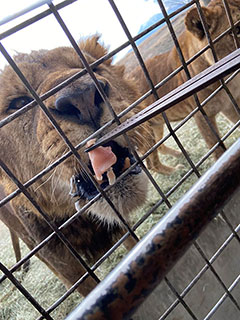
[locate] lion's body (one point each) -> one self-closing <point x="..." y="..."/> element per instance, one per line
<point x="159" y="67"/>
<point x="30" y="143"/>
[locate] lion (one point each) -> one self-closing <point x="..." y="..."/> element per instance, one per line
<point x="6" y="211"/>
<point x="30" y="143"/>
<point x="192" y="40"/>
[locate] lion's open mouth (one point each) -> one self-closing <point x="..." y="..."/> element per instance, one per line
<point x="81" y="185"/>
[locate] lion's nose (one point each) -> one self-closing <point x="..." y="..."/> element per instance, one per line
<point x="81" y="104"/>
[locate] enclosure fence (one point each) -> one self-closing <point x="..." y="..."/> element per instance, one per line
<point x="156" y="258"/>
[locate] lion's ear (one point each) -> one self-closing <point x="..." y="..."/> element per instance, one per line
<point x="92" y="46"/>
<point x="193" y="22"/>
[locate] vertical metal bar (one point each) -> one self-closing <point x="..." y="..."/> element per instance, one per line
<point x="181" y="57"/>
<point x="225" y="218"/>
<point x="106" y="100"/>
<point x="211" y="44"/>
<point x="149" y="81"/>
<point x="230" y="19"/>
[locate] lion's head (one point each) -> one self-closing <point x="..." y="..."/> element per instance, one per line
<point x="30" y="143"/>
<point x="217" y="22"/>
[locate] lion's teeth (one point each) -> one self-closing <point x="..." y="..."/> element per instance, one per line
<point x="91" y="142"/>
<point x="77" y="206"/>
<point x="111" y="176"/>
<point x="73" y="188"/>
<point x="99" y="181"/>
<point x="126" y="164"/>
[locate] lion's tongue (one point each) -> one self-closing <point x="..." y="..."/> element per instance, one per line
<point x="102" y="159"/>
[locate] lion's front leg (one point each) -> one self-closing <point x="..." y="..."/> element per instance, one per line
<point x="153" y="161"/>
<point x="231" y="114"/>
<point x="208" y="134"/>
<point x="67" y="268"/>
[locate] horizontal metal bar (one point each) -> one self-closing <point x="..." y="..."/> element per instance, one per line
<point x="219" y="70"/>
<point x="119" y="295"/>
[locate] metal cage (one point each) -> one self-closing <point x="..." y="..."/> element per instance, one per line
<point x="186" y="266"/>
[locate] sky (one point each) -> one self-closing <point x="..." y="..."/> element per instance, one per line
<point x="83" y="18"/>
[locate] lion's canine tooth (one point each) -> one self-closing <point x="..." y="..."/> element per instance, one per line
<point x="73" y="189"/>
<point x="77" y="206"/>
<point x="90" y="142"/>
<point x="111" y="176"/>
<point x="126" y="164"/>
<point x="99" y="181"/>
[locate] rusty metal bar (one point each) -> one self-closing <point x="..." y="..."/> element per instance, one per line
<point x="185" y="68"/>
<point x="119" y="295"/>
<point x="230" y="19"/>
<point x="219" y="70"/>
<point x="213" y="50"/>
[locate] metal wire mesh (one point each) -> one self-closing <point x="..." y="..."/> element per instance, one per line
<point x="164" y="196"/>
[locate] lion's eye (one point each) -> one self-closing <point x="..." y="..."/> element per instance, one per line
<point x="19" y="102"/>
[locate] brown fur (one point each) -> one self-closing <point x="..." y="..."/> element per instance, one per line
<point x="191" y="41"/>
<point x="30" y="143"/>
<point x="6" y="211"/>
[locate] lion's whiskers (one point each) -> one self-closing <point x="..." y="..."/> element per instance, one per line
<point x="55" y="183"/>
<point x="56" y="179"/>
<point x="48" y="178"/>
<point x="141" y="139"/>
<point x="43" y="183"/>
